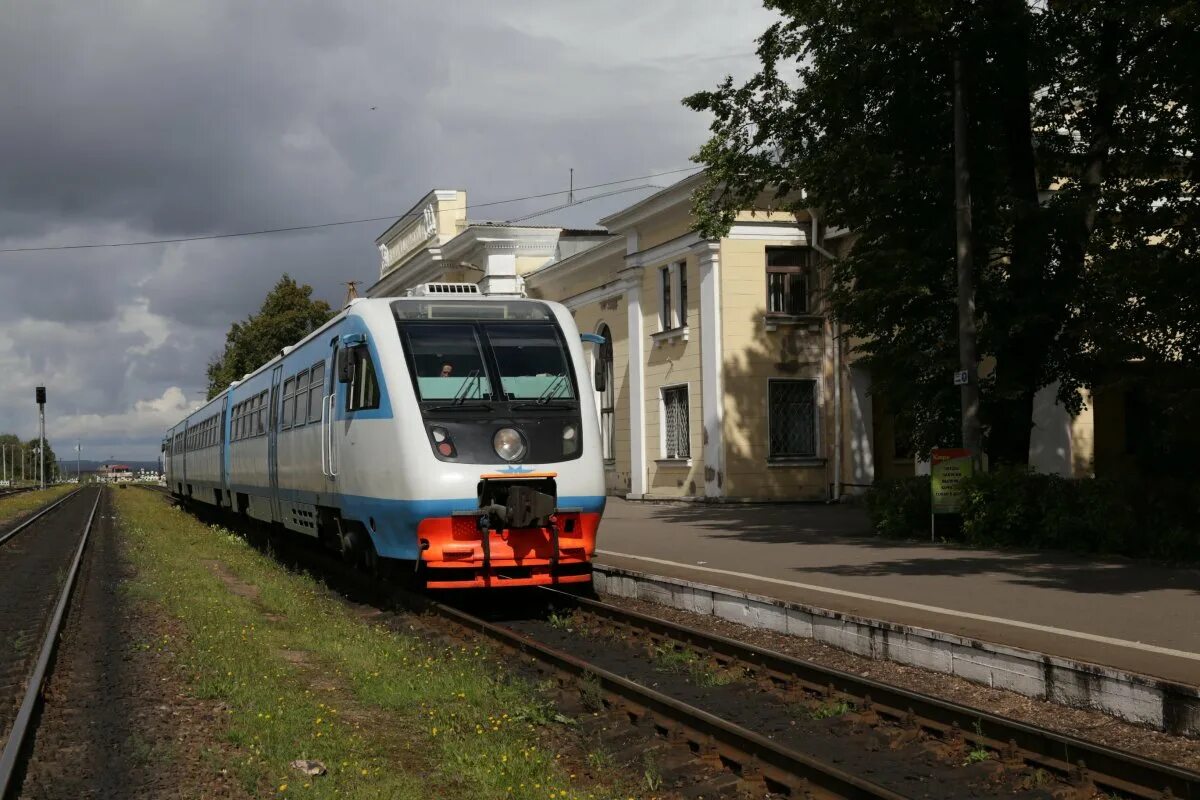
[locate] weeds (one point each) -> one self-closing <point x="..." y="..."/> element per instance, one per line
<point x="669" y="658"/>
<point x="591" y="696"/>
<point x="652" y="778"/>
<point x="978" y="755"/>
<point x="563" y="622"/>
<point x="600" y="760"/>
<point x="831" y="709"/>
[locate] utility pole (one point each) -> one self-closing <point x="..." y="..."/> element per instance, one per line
<point x="571" y="189"/>
<point x="40" y="394"/>
<point x="972" y="429"/>
<point x="78" y="453"/>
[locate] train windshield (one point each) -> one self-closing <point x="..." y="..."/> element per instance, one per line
<point x="531" y="360"/>
<point x="485" y="360"/>
<point x="448" y="362"/>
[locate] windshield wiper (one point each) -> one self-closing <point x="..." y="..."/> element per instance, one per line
<point x="546" y="396"/>
<point x="461" y="395"/>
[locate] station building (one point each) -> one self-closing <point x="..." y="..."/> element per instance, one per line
<point x="727" y="378"/>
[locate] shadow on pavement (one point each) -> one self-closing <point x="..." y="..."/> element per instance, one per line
<point x="847" y="526"/>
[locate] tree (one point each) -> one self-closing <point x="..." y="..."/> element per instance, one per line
<point x="1081" y="150"/>
<point x="287" y="315"/>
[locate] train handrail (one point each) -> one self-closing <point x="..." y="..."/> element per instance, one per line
<point x="324" y="403"/>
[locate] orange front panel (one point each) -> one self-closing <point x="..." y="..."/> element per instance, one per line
<point x="518" y="557"/>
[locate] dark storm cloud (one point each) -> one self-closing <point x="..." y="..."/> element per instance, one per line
<point x="126" y="121"/>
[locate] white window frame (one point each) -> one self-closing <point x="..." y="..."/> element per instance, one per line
<point x="672" y="316"/>
<point x="818" y="412"/>
<point x="662" y="423"/>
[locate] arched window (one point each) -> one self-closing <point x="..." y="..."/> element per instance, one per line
<point x="607" y="394"/>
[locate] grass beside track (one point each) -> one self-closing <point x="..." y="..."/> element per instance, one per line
<point x="301" y="676"/>
<point x="14" y="507"/>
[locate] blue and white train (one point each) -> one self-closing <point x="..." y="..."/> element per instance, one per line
<point x="447" y="433"/>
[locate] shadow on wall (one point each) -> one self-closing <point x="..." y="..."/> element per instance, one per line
<point x="795" y="353"/>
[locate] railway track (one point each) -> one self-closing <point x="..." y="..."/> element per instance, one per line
<point x="710" y="750"/>
<point x="40" y="559"/>
<point x="1087" y="768"/>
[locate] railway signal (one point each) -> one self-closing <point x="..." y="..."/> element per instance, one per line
<point x="40" y="395"/>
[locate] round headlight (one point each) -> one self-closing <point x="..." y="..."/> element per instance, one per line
<point x="509" y="444"/>
<point x="570" y="432"/>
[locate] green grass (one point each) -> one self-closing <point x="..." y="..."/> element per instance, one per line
<point x="301" y="676"/>
<point x="20" y="505"/>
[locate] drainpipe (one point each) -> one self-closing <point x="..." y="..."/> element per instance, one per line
<point x="835" y="331"/>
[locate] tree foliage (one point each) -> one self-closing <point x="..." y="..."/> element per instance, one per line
<point x="1082" y="142"/>
<point x="287" y="315"/>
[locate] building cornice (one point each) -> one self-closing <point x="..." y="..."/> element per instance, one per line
<point x="608" y="290"/>
<point x="789" y="232"/>
<point x="579" y="261"/>
<point x="500" y="238"/>
<point x="674" y="195"/>
<point x="667" y="251"/>
<point x="434" y="196"/>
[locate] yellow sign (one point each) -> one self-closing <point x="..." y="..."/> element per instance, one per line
<point x="948" y="469"/>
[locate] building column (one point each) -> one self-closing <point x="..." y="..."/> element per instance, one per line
<point x="712" y="393"/>
<point x="637" y="393"/>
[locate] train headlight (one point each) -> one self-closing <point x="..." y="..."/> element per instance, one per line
<point x="570" y="438"/>
<point x="509" y="444"/>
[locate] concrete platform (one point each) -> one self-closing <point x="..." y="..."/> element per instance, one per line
<point x="1129" y="616"/>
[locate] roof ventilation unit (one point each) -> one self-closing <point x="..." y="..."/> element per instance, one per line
<point x="444" y="290"/>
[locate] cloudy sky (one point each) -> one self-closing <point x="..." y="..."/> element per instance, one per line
<point x="125" y="121"/>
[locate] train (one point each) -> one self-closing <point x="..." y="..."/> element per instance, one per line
<point x="447" y="438"/>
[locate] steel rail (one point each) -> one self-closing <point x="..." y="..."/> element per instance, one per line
<point x="1111" y="768"/>
<point x="22" y="729"/>
<point x="4" y="537"/>
<point x="781" y="765"/>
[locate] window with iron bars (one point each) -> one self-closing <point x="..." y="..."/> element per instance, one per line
<point x="676" y="441"/>
<point x="793" y="418"/>
<point x="789" y="272"/>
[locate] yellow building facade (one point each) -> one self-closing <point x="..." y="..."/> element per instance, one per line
<point x="727" y="378"/>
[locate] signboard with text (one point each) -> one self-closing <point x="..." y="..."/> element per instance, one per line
<point x="949" y="467"/>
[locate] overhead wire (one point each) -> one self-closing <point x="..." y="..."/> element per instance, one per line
<point x="391" y="217"/>
<point x="583" y="200"/>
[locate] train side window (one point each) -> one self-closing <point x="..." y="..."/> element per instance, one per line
<point x="289" y="405"/>
<point x="301" y="415"/>
<point x="316" y="390"/>
<point x="261" y="425"/>
<point x="364" y="386"/>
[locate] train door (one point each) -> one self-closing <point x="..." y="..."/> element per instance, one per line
<point x="223" y="450"/>
<point x="273" y="442"/>
<point x="329" y="454"/>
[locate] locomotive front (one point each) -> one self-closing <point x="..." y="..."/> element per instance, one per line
<point x="509" y="416"/>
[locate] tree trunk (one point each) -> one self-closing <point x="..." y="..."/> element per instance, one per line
<point x="1021" y="358"/>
